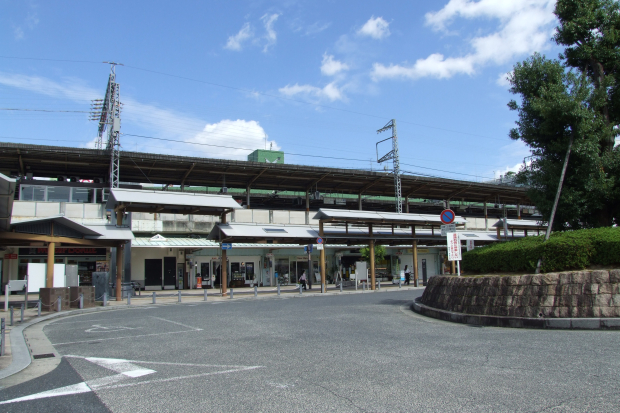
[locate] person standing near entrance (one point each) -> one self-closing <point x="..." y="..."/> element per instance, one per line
<point x="302" y="280"/>
<point x="407" y="275"/>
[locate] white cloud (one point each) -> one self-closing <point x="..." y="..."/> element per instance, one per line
<point x="271" y="36"/>
<point x="317" y="27"/>
<point x="234" y="42"/>
<point x="377" y="28"/>
<point x="525" y="27"/>
<point x="330" y="92"/>
<point x="502" y="79"/>
<point x="331" y="67"/>
<point x="31" y="21"/>
<point x="159" y="122"/>
<point x="18" y="33"/>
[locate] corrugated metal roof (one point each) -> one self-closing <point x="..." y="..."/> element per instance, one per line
<point x="204" y="243"/>
<point x="520" y="224"/>
<point x="273" y="231"/>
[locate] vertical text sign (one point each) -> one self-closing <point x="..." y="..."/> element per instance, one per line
<point x="454" y="246"/>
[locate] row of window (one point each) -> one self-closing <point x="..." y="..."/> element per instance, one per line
<point x="63" y="194"/>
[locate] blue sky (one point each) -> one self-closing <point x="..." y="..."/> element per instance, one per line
<point x="318" y="78"/>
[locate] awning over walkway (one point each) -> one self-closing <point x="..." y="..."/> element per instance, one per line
<point x="265" y="233"/>
<point x="372" y="217"/>
<point x="521" y="224"/>
<point x="137" y="200"/>
<point x="60" y="229"/>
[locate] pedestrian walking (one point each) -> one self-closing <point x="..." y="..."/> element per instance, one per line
<point x="302" y="279"/>
<point x="407" y="275"/>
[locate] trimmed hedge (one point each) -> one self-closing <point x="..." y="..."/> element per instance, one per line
<point x="570" y="250"/>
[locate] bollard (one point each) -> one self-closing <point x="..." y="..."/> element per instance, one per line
<point x="231" y="293"/>
<point x="278" y="289"/>
<point x="379" y="285"/>
<point x="105" y="299"/>
<point x="11" y="316"/>
<point x="364" y="287"/>
<point x="205" y="294"/>
<point x="2" y="328"/>
<point x="179" y="296"/>
<point x="399" y="283"/>
<point x="255" y="291"/>
<point x="39" y="308"/>
<point x="322" y="288"/>
<point x="299" y="289"/>
<point x="154" y="297"/>
<point x="81" y="301"/>
<point x="340" y="285"/>
<point x="128" y="298"/>
<point x="59" y="304"/>
<point x="356" y="284"/>
<point x="22" y="315"/>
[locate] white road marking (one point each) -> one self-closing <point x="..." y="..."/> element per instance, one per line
<point x="97" y="328"/>
<point x="118" y="338"/>
<point x="177" y="323"/>
<point x="62" y="391"/>
<point x="127" y="370"/>
<point x="121" y="366"/>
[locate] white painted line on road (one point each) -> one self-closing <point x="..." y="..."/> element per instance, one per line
<point x="193" y="376"/>
<point x="62" y="391"/>
<point x="97" y="328"/>
<point x="177" y="323"/>
<point x="119" y="338"/>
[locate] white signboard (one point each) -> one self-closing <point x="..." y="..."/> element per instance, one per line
<point x="445" y="229"/>
<point x="454" y="247"/>
<point x="470" y="244"/>
<point x="319" y="247"/>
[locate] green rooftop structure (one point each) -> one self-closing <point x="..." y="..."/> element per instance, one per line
<point x="265" y="156"/>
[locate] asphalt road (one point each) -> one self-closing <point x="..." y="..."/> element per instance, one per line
<point x="364" y="352"/>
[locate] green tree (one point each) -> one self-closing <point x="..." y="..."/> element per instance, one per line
<point x="571" y="102"/>
<point x="379" y="253"/>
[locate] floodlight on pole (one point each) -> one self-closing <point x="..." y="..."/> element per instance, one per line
<point x="393" y="154"/>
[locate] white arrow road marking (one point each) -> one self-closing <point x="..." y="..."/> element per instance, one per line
<point x="62" y="391"/>
<point x="126" y="370"/>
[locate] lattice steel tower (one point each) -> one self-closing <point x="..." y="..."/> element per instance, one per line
<point x="393" y="154"/>
<point x="108" y="113"/>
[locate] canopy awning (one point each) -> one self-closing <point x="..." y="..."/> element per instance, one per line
<point x="138" y="200"/>
<point x="375" y="217"/>
<point x="7" y="194"/>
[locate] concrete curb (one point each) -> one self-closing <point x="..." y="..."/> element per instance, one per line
<point x="20" y="353"/>
<point x="518" y="322"/>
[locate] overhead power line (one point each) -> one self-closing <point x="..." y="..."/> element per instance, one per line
<point x="259" y="93"/>
<point x="46" y="110"/>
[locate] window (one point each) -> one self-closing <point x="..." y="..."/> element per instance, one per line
<point x="58" y="194"/>
<point x="83" y="195"/>
<point x="32" y="193"/>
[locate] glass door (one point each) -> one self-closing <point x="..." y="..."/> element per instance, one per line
<point x="282" y="271"/>
<point x="249" y="273"/>
<point x="205" y="274"/>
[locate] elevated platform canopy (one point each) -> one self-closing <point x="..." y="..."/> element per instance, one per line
<point x="521" y="224"/>
<point x="51" y="161"/>
<point x="7" y="193"/>
<point x="137" y="200"/>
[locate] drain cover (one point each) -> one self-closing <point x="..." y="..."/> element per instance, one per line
<point x="43" y="356"/>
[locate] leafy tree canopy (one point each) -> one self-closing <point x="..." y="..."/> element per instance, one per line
<point x="379" y="253"/>
<point x="574" y="97"/>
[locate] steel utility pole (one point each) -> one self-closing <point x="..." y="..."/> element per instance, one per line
<point x="108" y="114"/>
<point x="393" y="154"/>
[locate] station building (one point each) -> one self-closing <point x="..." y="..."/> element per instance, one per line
<point x="268" y="211"/>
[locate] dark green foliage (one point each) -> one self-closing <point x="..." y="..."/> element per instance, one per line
<point x="570" y="250"/>
<point x="379" y="253"/>
<point x="578" y="97"/>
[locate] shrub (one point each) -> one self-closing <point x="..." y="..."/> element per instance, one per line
<point x="569" y="250"/>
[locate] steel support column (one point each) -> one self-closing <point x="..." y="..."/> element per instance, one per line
<point x="322" y="258"/>
<point x="49" y="276"/>
<point x="119" y="271"/>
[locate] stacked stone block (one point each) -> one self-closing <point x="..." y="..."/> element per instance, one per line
<point x="558" y="295"/>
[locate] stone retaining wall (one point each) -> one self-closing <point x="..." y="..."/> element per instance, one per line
<point x="566" y="294"/>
